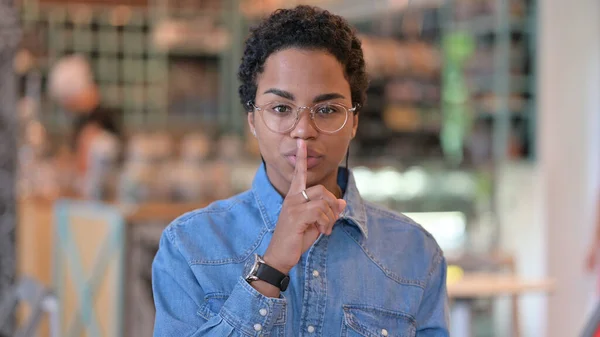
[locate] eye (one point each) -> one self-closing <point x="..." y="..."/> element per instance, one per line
<point x="327" y="109"/>
<point x="281" y="109"/>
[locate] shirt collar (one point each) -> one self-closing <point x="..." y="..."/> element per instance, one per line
<point x="270" y="201"/>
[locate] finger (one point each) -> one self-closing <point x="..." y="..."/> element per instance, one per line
<point x="323" y="206"/>
<point x="313" y="209"/>
<point x="317" y="213"/>
<point x="319" y="192"/>
<point x="298" y="183"/>
<point x="341" y="206"/>
<point x="331" y="214"/>
<point x="324" y="224"/>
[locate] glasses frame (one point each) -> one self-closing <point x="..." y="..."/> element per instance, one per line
<point x="297" y="111"/>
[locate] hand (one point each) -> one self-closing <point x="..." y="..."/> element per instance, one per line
<point x="301" y="222"/>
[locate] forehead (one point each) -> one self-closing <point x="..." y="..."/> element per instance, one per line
<point x="304" y="73"/>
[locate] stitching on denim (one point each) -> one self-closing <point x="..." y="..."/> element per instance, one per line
<point x="211" y="209"/>
<point x="355" y="324"/>
<point x="281" y="319"/>
<point x="386" y="271"/>
<point x="215" y="295"/>
<point x="171" y="237"/>
<point x="399" y="217"/>
<point x="238" y="259"/>
<point x="263" y="212"/>
<point x="306" y="282"/>
<point x="363" y="229"/>
<point x="204" y="310"/>
<point x="324" y="281"/>
<point x="376" y="309"/>
<point x="186" y="218"/>
<point x="228" y="317"/>
<point x="437" y="259"/>
<point x="271" y="304"/>
<point x="435" y="262"/>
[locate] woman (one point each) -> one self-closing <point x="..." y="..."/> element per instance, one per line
<point x="300" y="253"/>
<point x="71" y="84"/>
<point x="591" y="261"/>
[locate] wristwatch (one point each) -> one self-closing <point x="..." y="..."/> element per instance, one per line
<point x="259" y="270"/>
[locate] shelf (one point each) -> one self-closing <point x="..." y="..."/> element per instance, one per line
<point x="194" y="52"/>
<point x="479" y="84"/>
<point x="494" y="115"/>
<point x="486" y="24"/>
<point x="181" y="37"/>
<point x="357" y="11"/>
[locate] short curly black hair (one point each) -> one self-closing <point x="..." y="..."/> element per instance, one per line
<point x="304" y="27"/>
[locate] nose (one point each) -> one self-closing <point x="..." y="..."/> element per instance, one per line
<point x="305" y="128"/>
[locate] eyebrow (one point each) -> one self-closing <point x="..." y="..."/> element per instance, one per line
<point x="291" y="97"/>
<point x="327" y="97"/>
<point x="281" y="93"/>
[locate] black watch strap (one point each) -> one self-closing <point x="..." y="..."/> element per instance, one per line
<point x="273" y="276"/>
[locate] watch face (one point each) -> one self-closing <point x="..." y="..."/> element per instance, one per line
<point x="250" y="268"/>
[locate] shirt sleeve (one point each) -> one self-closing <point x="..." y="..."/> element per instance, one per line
<point x="433" y="314"/>
<point x="180" y="302"/>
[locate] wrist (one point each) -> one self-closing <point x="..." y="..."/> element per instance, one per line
<point x="266" y="289"/>
<point x="274" y="263"/>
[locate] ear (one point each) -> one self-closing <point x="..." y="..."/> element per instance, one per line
<point x="251" y="123"/>
<point x="354" y="125"/>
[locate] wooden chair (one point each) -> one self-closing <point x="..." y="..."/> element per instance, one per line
<point x="38" y="299"/>
<point x="496" y="262"/>
<point x="89" y="268"/>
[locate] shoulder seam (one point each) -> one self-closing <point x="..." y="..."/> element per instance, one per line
<point x="398" y="279"/>
<point x="193" y="215"/>
<point x="435" y="262"/>
<point x="185" y="218"/>
<point x="399" y="217"/>
<point x="239" y="259"/>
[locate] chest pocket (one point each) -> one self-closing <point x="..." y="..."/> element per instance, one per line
<point x="368" y="321"/>
<point x="212" y="305"/>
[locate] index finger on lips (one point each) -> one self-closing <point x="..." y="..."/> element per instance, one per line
<point x="298" y="183"/>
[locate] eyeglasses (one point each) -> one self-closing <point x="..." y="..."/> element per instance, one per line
<point x="282" y="117"/>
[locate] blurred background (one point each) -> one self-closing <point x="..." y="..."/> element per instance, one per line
<point x="481" y="123"/>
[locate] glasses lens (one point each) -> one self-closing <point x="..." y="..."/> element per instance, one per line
<point x="330" y="117"/>
<point x="279" y="116"/>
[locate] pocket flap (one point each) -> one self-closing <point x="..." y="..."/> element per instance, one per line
<point x="371" y="321"/>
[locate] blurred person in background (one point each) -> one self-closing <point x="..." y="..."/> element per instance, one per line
<point x="301" y="253"/>
<point x="96" y="133"/>
<point x="594" y="249"/>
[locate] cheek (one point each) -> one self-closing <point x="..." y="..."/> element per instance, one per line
<point x="268" y="143"/>
<point x="337" y="147"/>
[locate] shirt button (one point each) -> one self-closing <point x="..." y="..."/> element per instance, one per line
<point x="263" y="312"/>
<point x="311" y="329"/>
<point x="384" y="332"/>
<point x="257" y="327"/>
<point x="315" y="273"/>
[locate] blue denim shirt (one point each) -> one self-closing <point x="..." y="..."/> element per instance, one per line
<point x="378" y="274"/>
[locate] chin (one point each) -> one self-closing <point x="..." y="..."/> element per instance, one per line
<point x="320" y="174"/>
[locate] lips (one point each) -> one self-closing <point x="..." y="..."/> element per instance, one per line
<point x="311" y="162"/>
<point x="313" y="158"/>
